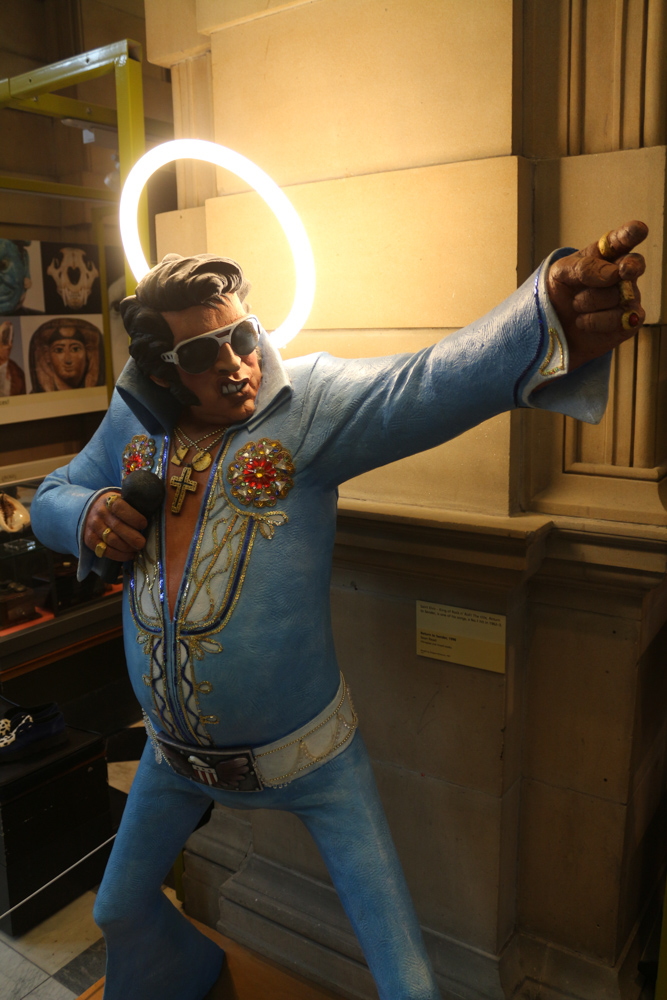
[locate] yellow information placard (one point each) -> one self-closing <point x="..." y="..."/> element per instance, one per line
<point x="461" y="635"/>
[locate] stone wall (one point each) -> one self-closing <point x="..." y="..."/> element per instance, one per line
<point x="435" y="152"/>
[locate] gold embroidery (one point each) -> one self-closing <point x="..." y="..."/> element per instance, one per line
<point x="199" y="647"/>
<point x="210" y="557"/>
<point x="146" y="613"/>
<point x="146" y="571"/>
<point x="222" y="551"/>
<point x="342" y="726"/>
<point x="560" y="365"/>
<point x="269" y="522"/>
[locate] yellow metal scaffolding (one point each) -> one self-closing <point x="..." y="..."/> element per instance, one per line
<point x="33" y="92"/>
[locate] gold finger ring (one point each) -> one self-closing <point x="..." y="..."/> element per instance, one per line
<point x="105" y="534"/>
<point x="626" y="291"/>
<point x="100" y="549"/>
<point x="630" y="320"/>
<point x="110" y="499"/>
<point x="604" y="246"/>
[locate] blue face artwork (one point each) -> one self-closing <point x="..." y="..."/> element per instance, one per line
<point x="14" y="276"/>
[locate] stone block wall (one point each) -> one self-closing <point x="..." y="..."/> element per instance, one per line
<point x="435" y="152"/>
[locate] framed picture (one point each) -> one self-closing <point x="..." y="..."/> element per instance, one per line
<point x="71" y="278"/>
<point x="12" y="360"/>
<point x="52" y="359"/>
<point x="21" y="286"/>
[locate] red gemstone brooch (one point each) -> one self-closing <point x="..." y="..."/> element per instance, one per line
<point x="138" y="454"/>
<point x="261" y="473"/>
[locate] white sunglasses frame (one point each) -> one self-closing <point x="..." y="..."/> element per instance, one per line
<point x="223" y="335"/>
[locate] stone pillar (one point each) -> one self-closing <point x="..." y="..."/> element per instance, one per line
<point x="446" y="745"/>
<point x="592" y="837"/>
<point x="175" y="42"/>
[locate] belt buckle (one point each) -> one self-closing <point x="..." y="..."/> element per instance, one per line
<point x="230" y="770"/>
<point x="226" y="769"/>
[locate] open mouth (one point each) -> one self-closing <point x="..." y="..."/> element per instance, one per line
<point x="231" y="388"/>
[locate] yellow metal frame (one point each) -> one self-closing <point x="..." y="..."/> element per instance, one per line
<point x="99" y="215"/>
<point x="32" y="92"/>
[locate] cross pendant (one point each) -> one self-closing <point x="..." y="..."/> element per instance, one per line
<point x="183" y="485"/>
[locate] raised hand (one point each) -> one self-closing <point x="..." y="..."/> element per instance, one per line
<point x="595" y="294"/>
<point x="112" y="528"/>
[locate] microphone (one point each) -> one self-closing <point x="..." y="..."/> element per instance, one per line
<point x="144" y="491"/>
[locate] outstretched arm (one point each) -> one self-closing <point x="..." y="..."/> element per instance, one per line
<point x="553" y="334"/>
<point x="594" y="292"/>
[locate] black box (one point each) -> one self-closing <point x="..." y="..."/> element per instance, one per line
<point x="54" y="809"/>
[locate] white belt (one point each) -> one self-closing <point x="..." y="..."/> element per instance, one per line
<point x="307" y="748"/>
<point x="274" y="764"/>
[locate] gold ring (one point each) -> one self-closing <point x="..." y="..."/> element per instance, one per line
<point x="105" y="534"/>
<point x="100" y="549"/>
<point x="605" y="247"/>
<point x="626" y="292"/>
<point x="110" y="499"/>
<point x="630" y="320"/>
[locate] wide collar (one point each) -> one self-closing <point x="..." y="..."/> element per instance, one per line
<point x="158" y="410"/>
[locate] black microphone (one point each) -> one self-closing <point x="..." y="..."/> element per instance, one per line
<point x="144" y="491"/>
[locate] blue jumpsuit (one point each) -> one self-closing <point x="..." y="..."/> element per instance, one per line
<point x="247" y="656"/>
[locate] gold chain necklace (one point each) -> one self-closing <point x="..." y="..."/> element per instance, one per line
<point x="202" y="458"/>
<point x="183" y="484"/>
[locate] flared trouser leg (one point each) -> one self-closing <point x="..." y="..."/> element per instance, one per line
<point x="153" y="952"/>
<point x="347" y="822"/>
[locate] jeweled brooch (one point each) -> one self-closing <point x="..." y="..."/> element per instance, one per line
<point x="138" y="454"/>
<point x="261" y="473"/>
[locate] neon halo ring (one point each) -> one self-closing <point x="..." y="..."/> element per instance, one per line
<point x="267" y="189"/>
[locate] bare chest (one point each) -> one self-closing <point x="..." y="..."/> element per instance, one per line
<point x="186" y="489"/>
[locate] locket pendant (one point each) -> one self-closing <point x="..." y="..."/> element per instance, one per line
<point x="201" y="461"/>
<point x="179" y="454"/>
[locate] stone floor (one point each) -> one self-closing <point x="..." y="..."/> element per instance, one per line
<point x="59" y="959"/>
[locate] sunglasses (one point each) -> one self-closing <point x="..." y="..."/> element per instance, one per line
<point x="198" y="354"/>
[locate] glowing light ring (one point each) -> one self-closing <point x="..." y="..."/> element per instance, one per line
<point x="267" y="189"/>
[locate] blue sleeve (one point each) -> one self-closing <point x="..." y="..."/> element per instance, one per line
<point x="362" y="414"/>
<point x="59" y="509"/>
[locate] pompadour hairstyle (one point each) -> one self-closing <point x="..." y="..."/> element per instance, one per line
<point x="175" y="283"/>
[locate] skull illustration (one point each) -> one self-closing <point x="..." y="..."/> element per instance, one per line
<point x="74" y="274"/>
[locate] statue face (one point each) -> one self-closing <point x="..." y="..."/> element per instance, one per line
<point x="68" y="358"/>
<point x="13" y="277"/>
<point x="228" y="389"/>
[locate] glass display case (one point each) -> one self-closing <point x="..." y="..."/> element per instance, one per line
<point x="36" y="584"/>
<point x="60" y="638"/>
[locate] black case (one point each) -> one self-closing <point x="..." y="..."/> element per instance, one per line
<point x="54" y="809"/>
